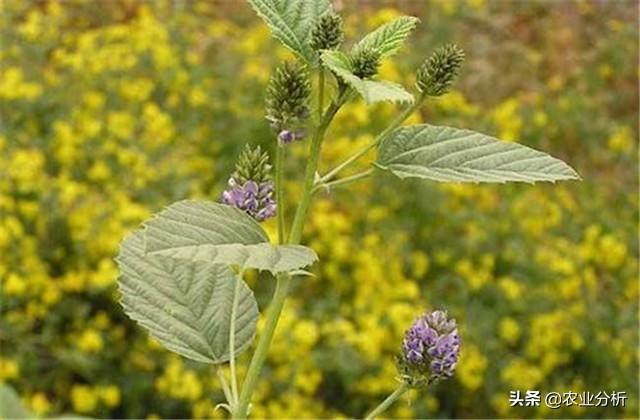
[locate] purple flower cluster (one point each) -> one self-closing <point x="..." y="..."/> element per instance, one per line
<point x="431" y="347"/>
<point x="253" y="198"/>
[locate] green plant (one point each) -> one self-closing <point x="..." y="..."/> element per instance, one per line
<point x="182" y="272"/>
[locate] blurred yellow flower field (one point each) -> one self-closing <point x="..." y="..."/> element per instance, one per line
<point x="112" y="110"/>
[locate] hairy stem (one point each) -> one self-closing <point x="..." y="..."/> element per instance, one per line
<point x="284" y="280"/>
<point x="320" y="92"/>
<point x="376" y="142"/>
<point x="343" y="181"/>
<point x="280" y="154"/>
<point x="388" y="401"/>
<point x="312" y="167"/>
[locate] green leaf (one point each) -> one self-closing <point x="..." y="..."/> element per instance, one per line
<point x="372" y="91"/>
<point x="291" y="22"/>
<point x="186" y="305"/>
<point x="207" y="231"/>
<point x="11" y="406"/>
<point x="264" y="256"/>
<point x="449" y="154"/>
<point x="388" y="38"/>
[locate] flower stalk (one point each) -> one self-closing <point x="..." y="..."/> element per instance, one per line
<point x="343" y="181"/>
<point x="280" y="155"/>
<point x="384" y="405"/>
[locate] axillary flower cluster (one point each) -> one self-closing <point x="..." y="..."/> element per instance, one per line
<point x="250" y="186"/>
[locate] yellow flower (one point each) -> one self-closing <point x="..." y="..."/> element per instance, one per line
<point x="470" y="370"/>
<point x="621" y="141"/>
<point x="509" y="330"/>
<point x="136" y="90"/>
<point x="510" y="288"/>
<point x="14" y="285"/>
<point x="83" y="399"/>
<point x="109" y="395"/>
<point x="521" y="375"/>
<point x="305" y="332"/>
<point x="13" y="86"/>
<point x="508" y="120"/>
<point x="9" y="369"/>
<point x="39" y="403"/>
<point x="90" y="341"/>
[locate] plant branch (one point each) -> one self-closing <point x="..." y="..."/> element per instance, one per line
<point x="343" y="181"/>
<point x="388" y="401"/>
<point x="376" y="142"/>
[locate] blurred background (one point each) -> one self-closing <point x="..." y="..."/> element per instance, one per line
<point x="111" y="110"/>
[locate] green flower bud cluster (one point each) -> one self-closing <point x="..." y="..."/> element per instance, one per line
<point x="365" y="62"/>
<point x="252" y="165"/>
<point x="287" y="97"/>
<point x="327" y="33"/>
<point x="438" y="72"/>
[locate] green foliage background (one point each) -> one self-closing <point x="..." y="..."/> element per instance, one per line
<point x="112" y="110"/>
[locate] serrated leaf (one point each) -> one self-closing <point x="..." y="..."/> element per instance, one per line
<point x="264" y="256"/>
<point x="190" y="222"/>
<point x="449" y="154"/>
<point x="11" y="407"/>
<point x="372" y="91"/>
<point x="185" y="305"/>
<point x="207" y="231"/>
<point x="389" y="37"/>
<point x="291" y="22"/>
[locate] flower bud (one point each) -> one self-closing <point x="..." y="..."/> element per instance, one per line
<point x="287" y="97"/>
<point x="252" y="165"/>
<point x="438" y="72"/>
<point x="430" y="350"/>
<point x="365" y="62"/>
<point x="250" y="186"/>
<point x="327" y="33"/>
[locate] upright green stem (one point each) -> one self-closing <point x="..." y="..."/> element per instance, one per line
<point x="388" y="401"/>
<point x="310" y="172"/>
<point x="280" y="191"/>
<point x="260" y="355"/>
<point x="320" y="92"/>
<point x="377" y="141"/>
<point x="284" y="280"/>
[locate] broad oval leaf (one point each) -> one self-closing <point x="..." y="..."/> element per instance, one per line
<point x="372" y="91"/>
<point x="291" y="22"/>
<point x="449" y="154"/>
<point x="218" y="233"/>
<point x="389" y="37"/>
<point x="186" y="305"/>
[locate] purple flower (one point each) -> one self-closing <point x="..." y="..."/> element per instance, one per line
<point x="430" y="349"/>
<point x="253" y="198"/>
<point x="287" y="136"/>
